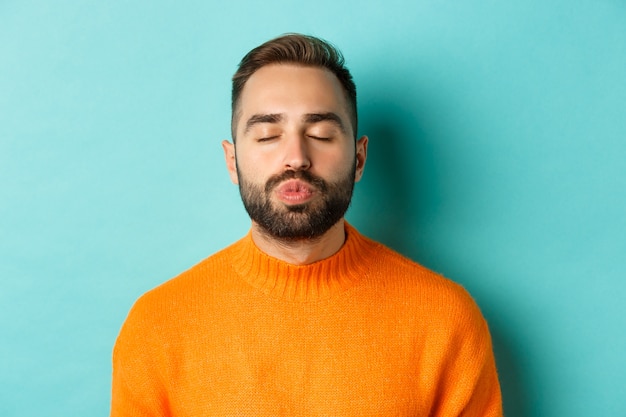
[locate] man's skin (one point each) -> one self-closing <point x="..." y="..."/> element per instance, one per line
<point x="292" y="117"/>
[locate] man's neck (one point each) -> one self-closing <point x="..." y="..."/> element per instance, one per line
<point x="301" y="252"/>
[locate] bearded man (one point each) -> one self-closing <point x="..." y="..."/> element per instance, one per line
<point x="304" y="316"/>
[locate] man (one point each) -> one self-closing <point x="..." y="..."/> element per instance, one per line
<point x="303" y="316"/>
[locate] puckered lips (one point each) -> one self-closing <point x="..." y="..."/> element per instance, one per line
<point x="295" y="191"/>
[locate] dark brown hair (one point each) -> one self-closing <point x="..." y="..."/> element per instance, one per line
<point x="296" y="49"/>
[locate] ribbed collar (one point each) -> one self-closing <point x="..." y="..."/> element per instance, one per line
<point x="304" y="283"/>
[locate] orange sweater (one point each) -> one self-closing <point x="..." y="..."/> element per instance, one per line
<point x="365" y="332"/>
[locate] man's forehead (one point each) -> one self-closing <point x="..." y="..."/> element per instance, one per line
<point x="291" y="78"/>
<point x="284" y="88"/>
<point x="293" y="90"/>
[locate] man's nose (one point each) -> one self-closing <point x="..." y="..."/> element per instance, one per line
<point x="297" y="156"/>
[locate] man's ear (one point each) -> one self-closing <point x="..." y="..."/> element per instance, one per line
<point x="231" y="163"/>
<point x="361" y="156"/>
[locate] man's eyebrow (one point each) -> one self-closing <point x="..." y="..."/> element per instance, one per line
<point x="262" y="118"/>
<point x="322" y="117"/>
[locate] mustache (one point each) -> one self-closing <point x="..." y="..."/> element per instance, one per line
<point x="305" y="176"/>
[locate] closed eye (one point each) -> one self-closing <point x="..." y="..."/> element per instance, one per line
<point x="267" y="139"/>
<point x="320" y="138"/>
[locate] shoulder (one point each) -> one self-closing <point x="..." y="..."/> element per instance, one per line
<point x="199" y="274"/>
<point x="398" y="277"/>
<point x="181" y="294"/>
<point x="385" y="262"/>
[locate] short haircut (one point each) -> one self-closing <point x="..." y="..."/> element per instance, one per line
<point x="294" y="48"/>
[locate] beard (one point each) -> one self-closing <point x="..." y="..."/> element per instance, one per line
<point x="296" y="222"/>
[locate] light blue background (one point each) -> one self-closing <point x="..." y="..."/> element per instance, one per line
<point x="497" y="157"/>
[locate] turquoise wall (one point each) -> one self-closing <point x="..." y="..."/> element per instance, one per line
<point x="497" y="148"/>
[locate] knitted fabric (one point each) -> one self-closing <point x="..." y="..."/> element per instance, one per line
<point x="365" y="332"/>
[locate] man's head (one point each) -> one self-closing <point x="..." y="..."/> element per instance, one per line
<point x="303" y="50"/>
<point x="295" y="157"/>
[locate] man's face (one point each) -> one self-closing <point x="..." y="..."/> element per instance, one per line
<point x="295" y="158"/>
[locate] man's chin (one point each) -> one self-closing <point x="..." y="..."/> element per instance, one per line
<point x="293" y="226"/>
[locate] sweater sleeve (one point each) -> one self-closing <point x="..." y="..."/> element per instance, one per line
<point x="469" y="384"/>
<point x="138" y="388"/>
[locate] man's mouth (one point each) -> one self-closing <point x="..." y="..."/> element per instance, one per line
<point x="295" y="191"/>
